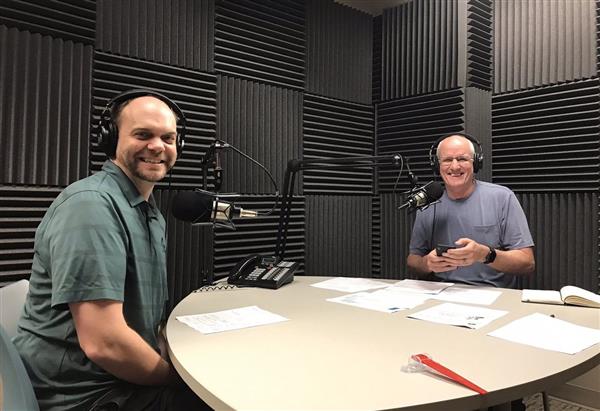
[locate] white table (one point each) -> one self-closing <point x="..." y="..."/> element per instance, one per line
<point x="331" y="356"/>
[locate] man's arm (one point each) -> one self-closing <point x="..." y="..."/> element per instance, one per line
<point x="108" y="341"/>
<point x="518" y="261"/>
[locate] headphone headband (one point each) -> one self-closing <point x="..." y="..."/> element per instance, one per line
<point x="434" y="162"/>
<point x="108" y="131"/>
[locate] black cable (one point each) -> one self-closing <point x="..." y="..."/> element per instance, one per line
<point x="399" y="174"/>
<point x="215" y="287"/>
<point x="433" y="228"/>
<point x="266" y="171"/>
<point x="168" y="210"/>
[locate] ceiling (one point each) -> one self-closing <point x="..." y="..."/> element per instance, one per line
<point x="373" y="7"/>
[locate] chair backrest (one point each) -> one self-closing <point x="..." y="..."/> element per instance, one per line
<point x="12" y="299"/>
<point x="17" y="391"/>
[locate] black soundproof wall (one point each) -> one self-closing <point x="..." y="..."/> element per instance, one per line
<point x="243" y="71"/>
<point x="284" y="79"/>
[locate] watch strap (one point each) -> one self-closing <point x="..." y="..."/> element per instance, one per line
<point x="491" y="256"/>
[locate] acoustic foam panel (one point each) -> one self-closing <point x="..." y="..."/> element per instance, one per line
<point x="44" y="108"/>
<point x="546" y="139"/>
<point x="21" y="211"/>
<point x="430" y="46"/>
<point x="538" y="43"/>
<point x="65" y="19"/>
<point x="174" y="32"/>
<point x="564" y="227"/>
<point x="334" y="129"/>
<point x="264" y="122"/>
<point x="339" y="43"/>
<point x="261" y="41"/>
<point x="338" y="235"/>
<point x="395" y="231"/>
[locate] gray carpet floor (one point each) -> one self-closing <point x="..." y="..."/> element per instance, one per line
<point x="535" y="403"/>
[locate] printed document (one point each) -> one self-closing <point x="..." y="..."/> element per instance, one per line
<point x="382" y="300"/>
<point x="230" y="319"/>
<point x="543" y="331"/>
<point x="461" y="315"/>
<point x="350" y="285"/>
<point x="468" y="294"/>
<point x="420" y="286"/>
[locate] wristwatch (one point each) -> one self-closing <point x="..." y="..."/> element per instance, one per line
<point x="491" y="256"/>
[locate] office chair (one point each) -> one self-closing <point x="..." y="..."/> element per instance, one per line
<point x="12" y="299"/>
<point x="17" y="391"/>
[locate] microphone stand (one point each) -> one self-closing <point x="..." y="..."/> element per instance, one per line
<point x="294" y="166"/>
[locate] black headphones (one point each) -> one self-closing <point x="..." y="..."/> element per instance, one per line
<point x="108" y="131"/>
<point x="434" y="162"/>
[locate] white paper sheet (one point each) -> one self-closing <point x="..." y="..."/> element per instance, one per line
<point x="461" y="315"/>
<point x="543" y="331"/>
<point x="350" y="285"/>
<point x="468" y="295"/>
<point x="382" y="300"/>
<point x="420" y="286"/>
<point x="230" y="319"/>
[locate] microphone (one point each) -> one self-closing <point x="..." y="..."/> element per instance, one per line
<point x="423" y="196"/>
<point x="212" y="157"/>
<point x="203" y="207"/>
<point x="217" y="172"/>
<point x="414" y="180"/>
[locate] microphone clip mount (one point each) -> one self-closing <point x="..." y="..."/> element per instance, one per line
<point x="222" y="212"/>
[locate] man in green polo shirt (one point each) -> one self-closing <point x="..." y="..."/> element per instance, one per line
<point x="89" y="332"/>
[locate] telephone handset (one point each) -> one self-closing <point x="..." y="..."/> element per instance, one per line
<point x="259" y="271"/>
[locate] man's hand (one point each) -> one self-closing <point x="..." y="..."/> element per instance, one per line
<point x="466" y="253"/>
<point x="519" y="261"/>
<point x="438" y="264"/>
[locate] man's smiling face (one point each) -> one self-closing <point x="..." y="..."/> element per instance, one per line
<point x="455" y="155"/>
<point x="146" y="149"/>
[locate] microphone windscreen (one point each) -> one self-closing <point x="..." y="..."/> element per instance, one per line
<point x="192" y="206"/>
<point x="434" y="191"/>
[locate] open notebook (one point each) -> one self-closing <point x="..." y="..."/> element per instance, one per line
<point x="568" y="294"/>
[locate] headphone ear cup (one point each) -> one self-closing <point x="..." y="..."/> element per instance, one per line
<point x="478" y="162"/>
<point x="107" y="139"/>
<point x="180" y="144"/>
<point x="435" y="165"/>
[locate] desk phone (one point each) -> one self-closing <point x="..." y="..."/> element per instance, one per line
<point x="264" y="272"/>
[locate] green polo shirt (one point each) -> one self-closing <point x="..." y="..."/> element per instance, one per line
<point x="99" y="240"/>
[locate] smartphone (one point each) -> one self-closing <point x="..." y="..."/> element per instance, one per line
<point x="442" y="248"/>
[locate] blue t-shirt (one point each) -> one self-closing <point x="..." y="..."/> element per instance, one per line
<point x="491" y="215"/>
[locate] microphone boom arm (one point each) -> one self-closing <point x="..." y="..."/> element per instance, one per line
<point x="294" y="166"/>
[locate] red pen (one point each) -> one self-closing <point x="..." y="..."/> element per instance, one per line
<point x="428" y="361"/>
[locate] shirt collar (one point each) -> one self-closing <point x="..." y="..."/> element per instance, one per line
<point x="128" y="188"/>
